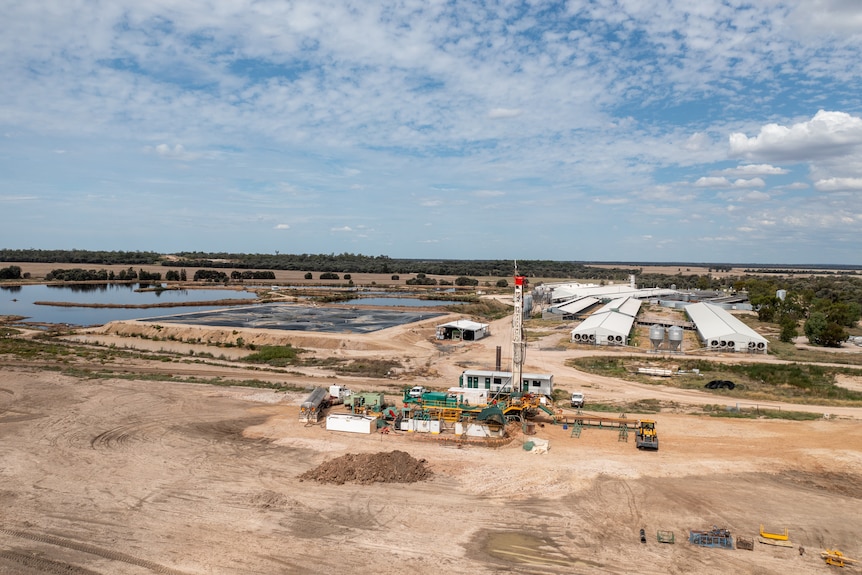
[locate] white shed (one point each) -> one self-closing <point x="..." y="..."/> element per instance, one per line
<point x="608" y="328"/>
<point x="462" y="329"/>
<point x="718" y="330"/>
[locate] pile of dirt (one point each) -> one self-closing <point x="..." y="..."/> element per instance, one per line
<point x="393" y="467"/>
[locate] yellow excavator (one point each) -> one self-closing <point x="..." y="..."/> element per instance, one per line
<point x="645" y="435"/>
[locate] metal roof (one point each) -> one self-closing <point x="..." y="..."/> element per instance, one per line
<point x="465" y="324"/>
<point x="713" y="322"/>
<point x="627" y="305"/>
<point x="573" y="291"/>
<point x="577" y="305"/>
<point x="609" y="322"/>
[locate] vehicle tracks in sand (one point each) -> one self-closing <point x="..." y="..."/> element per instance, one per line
<point x="57" y="567"/>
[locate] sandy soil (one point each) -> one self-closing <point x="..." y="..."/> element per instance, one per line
<point x="130" y="476"/>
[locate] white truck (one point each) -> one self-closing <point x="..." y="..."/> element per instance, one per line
<point x="338" y="394"/>
<point x="577" y="399"/>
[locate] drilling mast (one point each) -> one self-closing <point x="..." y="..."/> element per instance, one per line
<point x="519" y="342"/>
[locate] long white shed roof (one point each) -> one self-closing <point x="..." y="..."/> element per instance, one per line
<point x="572" y="291"/>
<point x="713" y="322"/>
<point x="627" y="305"/>
<point x="610" y="322"/>
<point x="577" y="305"/>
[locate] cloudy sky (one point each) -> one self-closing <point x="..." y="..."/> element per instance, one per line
<point x="613" y="130"/>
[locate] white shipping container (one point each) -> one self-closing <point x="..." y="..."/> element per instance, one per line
<point x="351" y="423"/>
<point x="421" y="425"/>
<point x="479" y="430"/>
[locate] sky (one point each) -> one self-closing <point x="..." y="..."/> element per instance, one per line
<point x="608" y="130"/>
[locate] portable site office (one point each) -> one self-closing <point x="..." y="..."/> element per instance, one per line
<point x="501" y="381"/>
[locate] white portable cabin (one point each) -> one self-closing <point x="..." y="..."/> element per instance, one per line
<point x="501" y="381"/>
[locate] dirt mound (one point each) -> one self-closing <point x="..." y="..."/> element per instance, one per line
<point x="393" y="467"/>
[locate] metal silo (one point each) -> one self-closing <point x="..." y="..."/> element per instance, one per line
<point x="674" y="337"/>
<point x="656" y="336"/>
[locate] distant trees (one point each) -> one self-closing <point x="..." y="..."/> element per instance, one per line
<point x="252" y="275"/>
<point x="502" y="283"/>
<point x="329" y="276"/>
<point x="145" y="276"/>
<point x="309" y="275"/>
<point x="210" y="276"/>
<point x="421" y="280"/>
<point x="10" y="273"/>
<point x="465" y="281"/>
<point x="76" y="275"/>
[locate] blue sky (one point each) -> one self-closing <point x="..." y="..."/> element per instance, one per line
<point x="613" y="130"/>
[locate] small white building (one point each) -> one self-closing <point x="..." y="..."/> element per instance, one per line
<point x="718" y="330"/>
<point x="462" y="330"/>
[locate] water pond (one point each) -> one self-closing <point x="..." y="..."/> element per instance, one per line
<point x="20" y="301"/>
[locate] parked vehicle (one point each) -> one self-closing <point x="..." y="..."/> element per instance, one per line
<point x="417" y="391"/>
<point x="577" y="399"/>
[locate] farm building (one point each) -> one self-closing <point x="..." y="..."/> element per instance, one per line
<point x="607" y="328"/>
<point x="610" y="325"/>
<point x="720" y="331"/>
<point x="462" y="329"/>
<point x="570" y="309"/>
<point x="625" y="305"/>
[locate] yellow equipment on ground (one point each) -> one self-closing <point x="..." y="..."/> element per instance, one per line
<point x="777" y="536"/>
<point x="836" y="558"/>
<point x="646" y="436"/>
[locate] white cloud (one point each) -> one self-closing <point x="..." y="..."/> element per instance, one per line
<point x="281" y="227"/>
<point x="826" y="135"/>
<point x="839" y="184"/>
<point x="754" y="196"/>
<point x="500" y="113"/>
<point x="697" y="142"/>
<point x="342" y="229"/>
<point x="488" y="193"/>
<point x="177" y="152"/>
<point x="712" y="182"/>
<point x="611" y="201"/>
<point x="754" y="170"/>
<point x="752" y="183"/>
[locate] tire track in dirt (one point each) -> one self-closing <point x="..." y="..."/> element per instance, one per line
<point x="92" y="550"/>
<point x="42" y="565"/>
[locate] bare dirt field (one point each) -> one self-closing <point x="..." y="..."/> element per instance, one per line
<point x="132" y="475"/>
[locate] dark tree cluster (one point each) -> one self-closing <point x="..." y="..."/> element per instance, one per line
<point x="77" y="275"/>
<point x="210" y="276"/>
<point x="10" y="273"/>
<point x="176" y="276"/>
<point x="421" y="280"/>
<point x="80" y="257"/>
<point x="252" y="275"/>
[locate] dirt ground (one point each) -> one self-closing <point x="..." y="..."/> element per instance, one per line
<point x="131" y="476"/>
